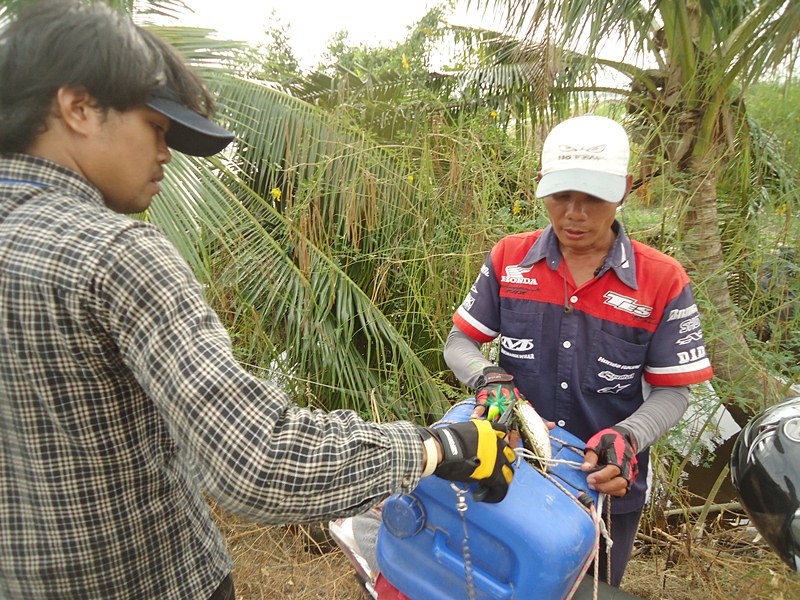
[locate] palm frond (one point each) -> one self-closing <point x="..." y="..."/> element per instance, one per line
<point x="277" y="262"/>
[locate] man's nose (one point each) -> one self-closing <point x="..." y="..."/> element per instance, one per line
<point x="164" y="155"/>
<point x="576" y="208"/>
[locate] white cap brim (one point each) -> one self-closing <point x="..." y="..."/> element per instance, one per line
<point x="605" y="186"/>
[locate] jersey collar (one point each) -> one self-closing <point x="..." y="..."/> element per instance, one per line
<point x="620" y="259"/>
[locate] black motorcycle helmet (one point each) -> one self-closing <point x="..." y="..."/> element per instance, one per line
<point x="765" y="470"/>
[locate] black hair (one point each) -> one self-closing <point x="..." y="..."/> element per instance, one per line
<point x="57" y="43"/>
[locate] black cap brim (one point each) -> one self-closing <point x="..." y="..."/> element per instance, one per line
<point x="189" y="132"/>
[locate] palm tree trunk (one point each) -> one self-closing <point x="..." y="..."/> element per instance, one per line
<point x="751" y="388"/>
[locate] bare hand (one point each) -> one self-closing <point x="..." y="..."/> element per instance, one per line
<point x="513" y="438"/>
<point x="478" y="412"/>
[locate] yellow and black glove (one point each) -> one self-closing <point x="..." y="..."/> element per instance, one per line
<point x="475" y="451"/>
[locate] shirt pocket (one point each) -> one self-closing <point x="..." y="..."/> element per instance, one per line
<point x="520" y="342"/>
<point x="614" y="366"/>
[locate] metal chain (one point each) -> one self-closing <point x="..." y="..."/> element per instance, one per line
<point x="461" y="507"/>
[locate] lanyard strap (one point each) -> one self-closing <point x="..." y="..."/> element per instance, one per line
<point x="36" y="183"/>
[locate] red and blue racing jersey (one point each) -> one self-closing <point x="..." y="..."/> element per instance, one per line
<point x="579" y="354"/>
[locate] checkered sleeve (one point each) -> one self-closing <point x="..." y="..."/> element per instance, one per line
<point x="258" y="454"/>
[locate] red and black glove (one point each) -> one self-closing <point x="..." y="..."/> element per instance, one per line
<point x="495" y="390"/>
<point x="616" y="446"/>
<point x="475" y="451"/>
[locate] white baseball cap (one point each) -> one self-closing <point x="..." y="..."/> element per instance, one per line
<point x="587" y="154"/>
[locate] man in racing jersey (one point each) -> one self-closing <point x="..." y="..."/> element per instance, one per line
<point x="599" y="332"/>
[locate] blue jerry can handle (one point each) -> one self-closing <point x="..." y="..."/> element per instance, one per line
<point x="451" y="561"/>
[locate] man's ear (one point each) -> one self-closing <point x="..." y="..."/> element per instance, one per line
<point x="76" y="108"/>
<point x="628" y="185"/>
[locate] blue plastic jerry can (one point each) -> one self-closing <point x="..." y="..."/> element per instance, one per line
<point x="532" y="545"/>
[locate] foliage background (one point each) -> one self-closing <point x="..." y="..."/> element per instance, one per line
<point x="338" y="235"/>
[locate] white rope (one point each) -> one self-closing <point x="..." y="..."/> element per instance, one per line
<point x="522" y="452"/>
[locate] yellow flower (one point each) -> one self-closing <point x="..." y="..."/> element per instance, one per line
<point x="494" y="114"/>
<point x="276" y="194"/>
<point x="405" y="61"/>
<point x="517" y="208"/>
<point x="410" y="179"/>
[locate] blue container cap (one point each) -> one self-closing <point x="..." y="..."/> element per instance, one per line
<point x="404" y="516"/>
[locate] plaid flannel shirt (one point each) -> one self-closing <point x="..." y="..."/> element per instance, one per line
<point x="120" y="402"/>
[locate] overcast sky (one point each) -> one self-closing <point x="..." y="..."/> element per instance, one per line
<point x="311" y="23"/>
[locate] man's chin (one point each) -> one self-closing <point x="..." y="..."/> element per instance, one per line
<point x="130" y="207"/>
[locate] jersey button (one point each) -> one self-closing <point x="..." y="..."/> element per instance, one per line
<point x="564" y="385"/>
<point x="561" y="422"/>
<point x="573" y="299"/>
<point x="567" y="344"/>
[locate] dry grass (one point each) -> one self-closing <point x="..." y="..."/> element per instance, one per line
<point x="727" y="564"/>
<point x="287" y="562"/>
<point x="302" y="563"/>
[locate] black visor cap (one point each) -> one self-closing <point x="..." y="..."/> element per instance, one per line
<point x="189" y="132"/>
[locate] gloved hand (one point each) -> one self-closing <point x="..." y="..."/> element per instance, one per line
<point x="616" y="446"/>
<point x="495" y="390"/>
<point x="475" y="451"/>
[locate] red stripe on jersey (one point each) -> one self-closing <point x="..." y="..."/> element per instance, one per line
<point x="471" y="331"/>
<point x="686" y="378"/>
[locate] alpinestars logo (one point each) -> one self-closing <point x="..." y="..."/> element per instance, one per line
<point x="516" y="274"/>
<point x="615" y="389"/>
<point x="626" y="304"/>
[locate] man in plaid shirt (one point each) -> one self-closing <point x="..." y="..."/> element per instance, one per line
<point x="120" y="399"/>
